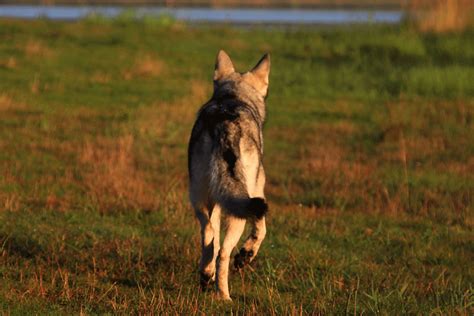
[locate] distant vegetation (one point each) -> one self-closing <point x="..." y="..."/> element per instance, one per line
<point x="369" y="153"/>
<point x="229" y="3"/>
<point x="442" y="15"/>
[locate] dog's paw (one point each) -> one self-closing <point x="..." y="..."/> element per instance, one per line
<point x="223" y="298"/>
<point x="242" y="258"/>
<point x="205" y="281"/>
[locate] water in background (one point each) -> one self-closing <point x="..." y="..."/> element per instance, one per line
<point x="237" y="16"/>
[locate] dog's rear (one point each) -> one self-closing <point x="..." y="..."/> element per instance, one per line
<point x="225" y="158"/>
<point x="225" y="167"/>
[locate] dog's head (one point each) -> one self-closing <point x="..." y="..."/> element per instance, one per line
<point x="252" y="82"/>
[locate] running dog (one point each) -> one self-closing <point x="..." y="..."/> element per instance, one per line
<point x="226" y="176"/>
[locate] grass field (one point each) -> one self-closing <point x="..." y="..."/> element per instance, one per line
<point x="369" y="153"/>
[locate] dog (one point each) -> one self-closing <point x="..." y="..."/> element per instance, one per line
<point x="226" y="175"/>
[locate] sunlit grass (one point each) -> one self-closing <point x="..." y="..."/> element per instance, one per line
<point x="368" y="153"/>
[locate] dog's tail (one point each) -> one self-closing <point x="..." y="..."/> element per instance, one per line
<point x="228" y="184"/>
<point x="232" y="195"/>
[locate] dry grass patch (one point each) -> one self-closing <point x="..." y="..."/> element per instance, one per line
<point x="237" y="44"/>
<point x="461" y="169"/>
<point x="35" y="48"/>
<point x="9" y="199"/>
<point x="7" y="104"/>
<point x="156" y="118"/>
<point x="200" y="91"/>
<point x="321" y="159"/>
<point x="442" y="15"/>
<point x="419" y="148"/>
<point x="9" y="63"/>
<point x="112" y="177"/>
<point x="35" y="85"/>
<point x="331" y="175"/>
<point x="100" y="77"/>
<point x="145" y="66"/>
<point x="340" y="176"/>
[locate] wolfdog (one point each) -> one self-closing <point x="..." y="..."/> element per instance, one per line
<point x="226" y="171"/>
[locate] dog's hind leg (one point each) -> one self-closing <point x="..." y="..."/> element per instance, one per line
<point x="207" y="263"/>
<point x="251" y="246"/>
<point x="235" y="228"/>
<point x="216" y="225"/>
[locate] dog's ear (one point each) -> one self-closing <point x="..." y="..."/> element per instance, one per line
<point x="224" y="66"/>
<point x="262" y="69"/>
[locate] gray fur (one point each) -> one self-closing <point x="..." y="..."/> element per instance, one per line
<point x="225" y="162"/>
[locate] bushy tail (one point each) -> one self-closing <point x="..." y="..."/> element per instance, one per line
<point x="231" y="193"/>
<point x="245" y="208"/>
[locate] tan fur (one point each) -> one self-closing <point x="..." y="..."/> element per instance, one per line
<point x="225" y="167"/>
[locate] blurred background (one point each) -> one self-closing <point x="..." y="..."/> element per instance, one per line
<point x="436" y="15"/>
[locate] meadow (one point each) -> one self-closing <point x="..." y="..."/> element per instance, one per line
<point x="369" y="154"/>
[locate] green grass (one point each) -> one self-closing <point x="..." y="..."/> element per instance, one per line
<point x="369" y="150"/>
